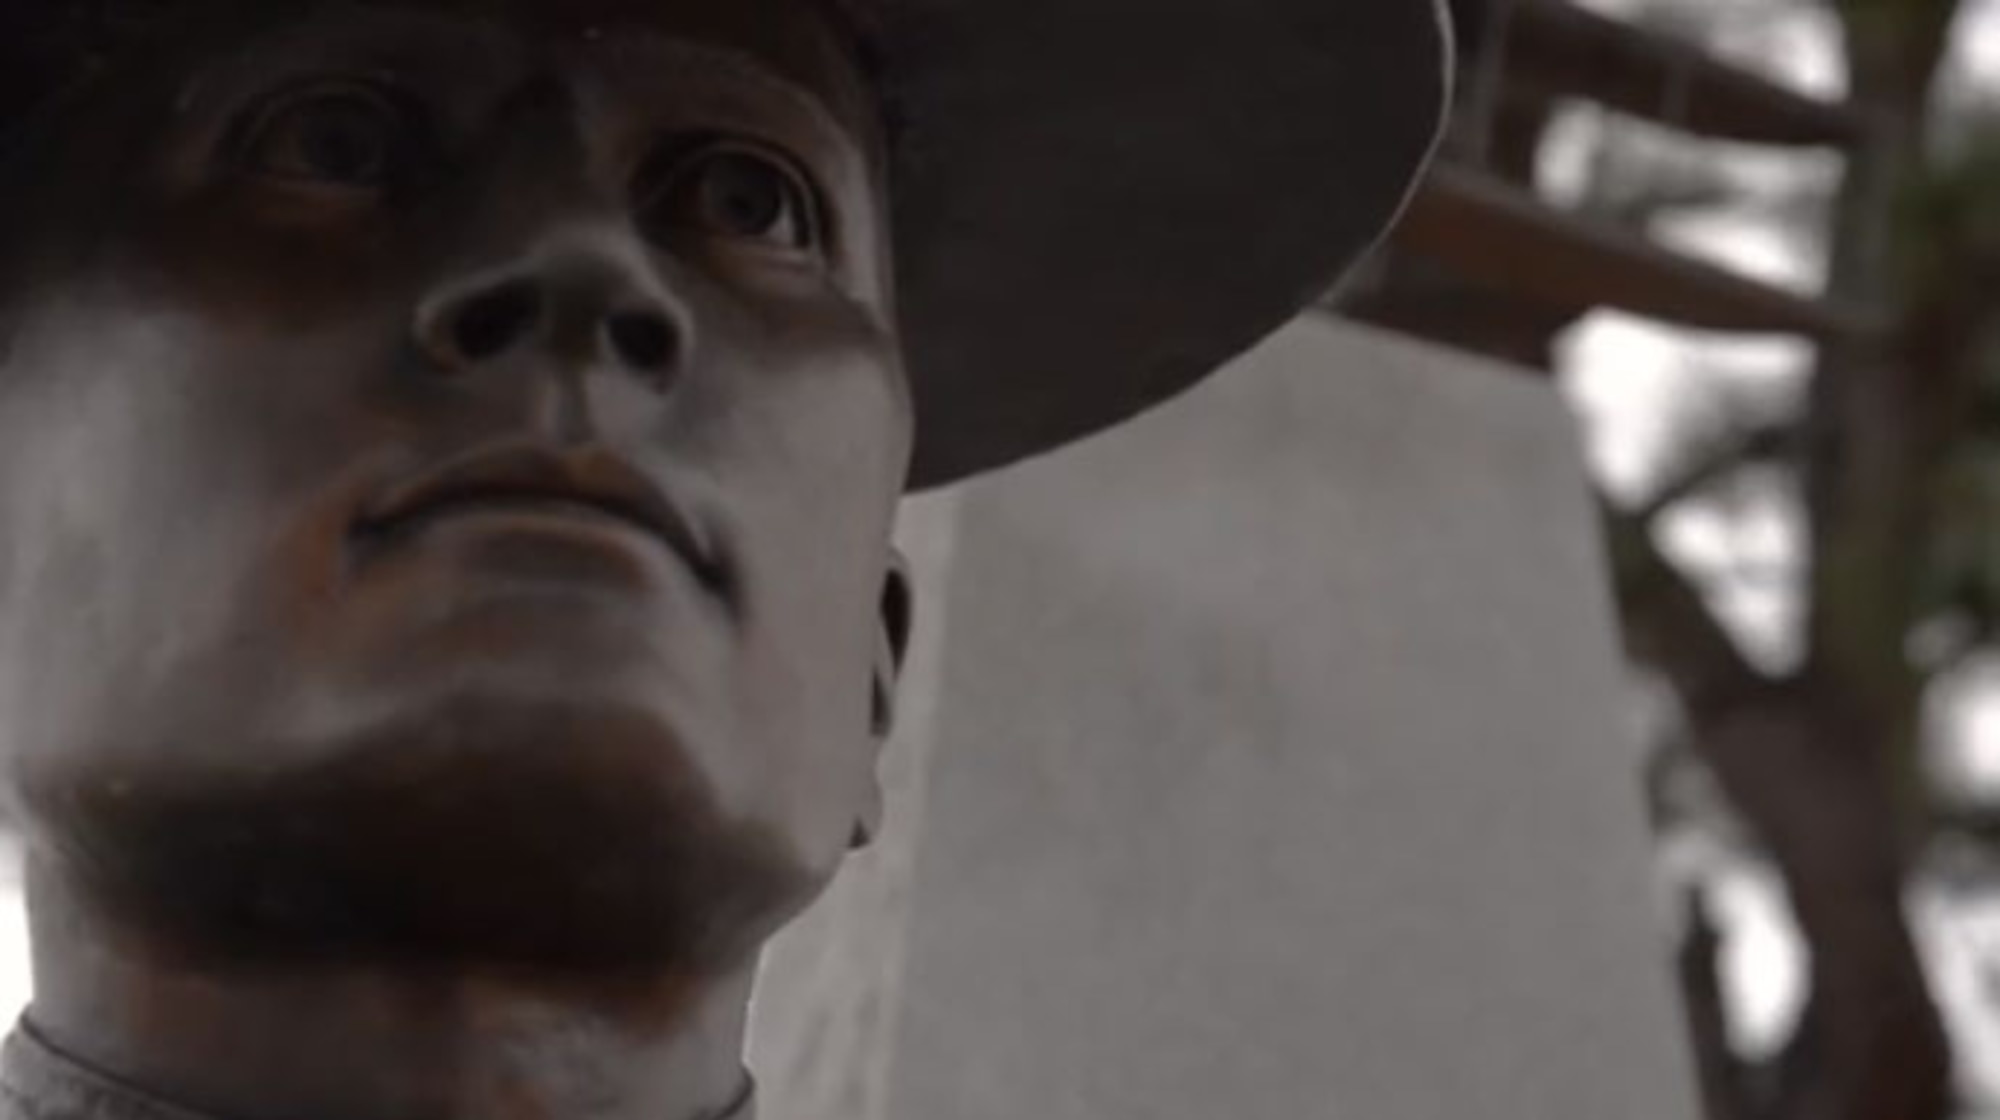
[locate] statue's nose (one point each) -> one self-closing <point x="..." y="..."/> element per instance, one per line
<point x="583" y="301"/>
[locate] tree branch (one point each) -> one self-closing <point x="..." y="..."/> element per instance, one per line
<point x="1757" y="443"/>
<point x="1668" y="624"/>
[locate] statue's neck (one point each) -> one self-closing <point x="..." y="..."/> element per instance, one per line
<point x="350" y="1040"/>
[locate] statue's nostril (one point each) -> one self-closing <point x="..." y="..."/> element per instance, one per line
<point x="641" y="340"/>
<point x="494" y="321"/>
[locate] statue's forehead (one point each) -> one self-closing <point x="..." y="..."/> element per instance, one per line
<point x="799" y="51"/>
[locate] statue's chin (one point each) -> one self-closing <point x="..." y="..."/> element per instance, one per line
<point x="487" y="839"/>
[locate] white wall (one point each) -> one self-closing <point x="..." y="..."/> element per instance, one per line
<point x="1268" y="763"/>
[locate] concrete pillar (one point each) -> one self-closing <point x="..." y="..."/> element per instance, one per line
<point x="1262" y="759"/>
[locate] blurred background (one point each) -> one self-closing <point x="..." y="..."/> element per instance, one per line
<point x="1758" y="244"/>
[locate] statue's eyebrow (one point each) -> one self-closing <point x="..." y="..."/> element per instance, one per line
<point x="637" y="59"/>
<point x="396" y="47"/>
<point x="395" y="40"/>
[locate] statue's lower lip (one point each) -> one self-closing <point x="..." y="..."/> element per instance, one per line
<point x="547" y="542"/>
<point x="541" y="514"/>
<point x="407" y="522"/>
<point x="553" y="485"/>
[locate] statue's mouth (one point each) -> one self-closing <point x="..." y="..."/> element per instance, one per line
<point x="525" y="480"/>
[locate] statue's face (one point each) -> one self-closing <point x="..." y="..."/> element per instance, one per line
<point x="447" y="457"/>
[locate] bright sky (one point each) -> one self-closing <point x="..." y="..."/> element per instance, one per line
<point x="1637" y="385"/>
<point x="14" y="978"/>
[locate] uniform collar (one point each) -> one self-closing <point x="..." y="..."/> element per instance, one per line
<point x="40" y="1082"/>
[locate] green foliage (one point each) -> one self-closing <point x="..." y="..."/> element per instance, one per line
<point x="1947" y="228"/>
<point x="1895" y="20"/>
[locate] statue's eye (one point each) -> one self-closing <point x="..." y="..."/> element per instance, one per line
<point x="331" y="135"/>
<point x="730" y="191"/>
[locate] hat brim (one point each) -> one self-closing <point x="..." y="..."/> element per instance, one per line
<point x="1098" y="202"/>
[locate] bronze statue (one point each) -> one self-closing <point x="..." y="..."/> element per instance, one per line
<point x="448" y="452"/>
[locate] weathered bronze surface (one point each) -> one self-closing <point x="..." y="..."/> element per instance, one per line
<point x="446" y="466"/>
<point x="448" y="451"/>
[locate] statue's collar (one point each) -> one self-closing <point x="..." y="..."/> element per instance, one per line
<point x="39" y="1082"/>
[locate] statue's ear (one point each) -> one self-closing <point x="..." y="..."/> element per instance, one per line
<point x="892" y="644"/>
